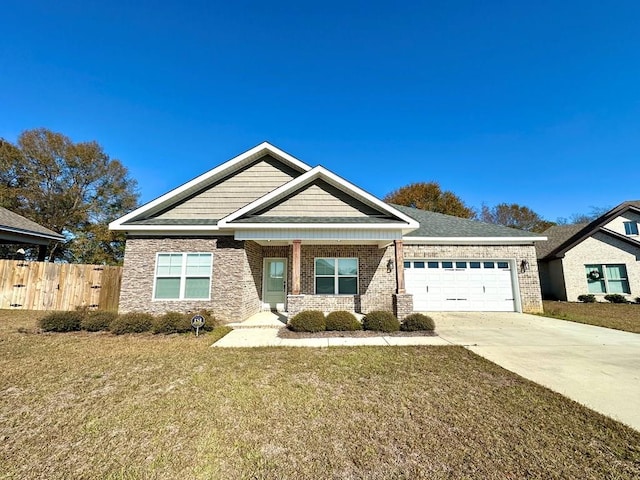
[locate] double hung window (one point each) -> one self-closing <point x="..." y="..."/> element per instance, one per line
<point x="183" y="276"/>
<point x="607" y="278"/>
<point x="336" y="276"/>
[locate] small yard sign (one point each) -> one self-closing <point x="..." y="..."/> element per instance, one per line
<point x="197" y="322"/>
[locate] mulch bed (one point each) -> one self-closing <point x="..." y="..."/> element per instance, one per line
<point x="286" y="333"/>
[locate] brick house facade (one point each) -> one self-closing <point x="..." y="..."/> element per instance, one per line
<point x="265" y="230"/>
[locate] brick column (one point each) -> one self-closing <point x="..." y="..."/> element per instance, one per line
<point x="399" y="266"/>
<point x="295" y="268"/>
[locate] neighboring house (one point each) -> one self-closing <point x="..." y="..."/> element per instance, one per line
<point x="267" y="231"/>
<point x="600" y="257"/>
<point x="18" y="230"/>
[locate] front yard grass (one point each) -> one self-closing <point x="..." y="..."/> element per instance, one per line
<point x="610" y="315"/>
<point x="95" y="405"/>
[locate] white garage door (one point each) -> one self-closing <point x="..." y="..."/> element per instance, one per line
<point x="458" y="285"/>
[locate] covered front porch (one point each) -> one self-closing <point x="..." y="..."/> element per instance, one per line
<point x="309" y="274"/>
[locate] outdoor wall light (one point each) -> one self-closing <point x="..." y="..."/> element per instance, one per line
<point x="390" y="266"/>
<point x="524" y="266"/>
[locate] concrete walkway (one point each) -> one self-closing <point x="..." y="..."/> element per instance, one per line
<point x="261" y="330"/>
<point x="598" y="367"/>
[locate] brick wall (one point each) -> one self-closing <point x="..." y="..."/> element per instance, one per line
<point x="234" y="294"/>
<point x="530" y="296"/>
<point x="375" y="284"/>
<point x="599" y="249"/>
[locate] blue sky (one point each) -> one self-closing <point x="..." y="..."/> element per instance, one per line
<point x="536" y="103"/>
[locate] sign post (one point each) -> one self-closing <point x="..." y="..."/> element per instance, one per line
<point x="197" y="322"/>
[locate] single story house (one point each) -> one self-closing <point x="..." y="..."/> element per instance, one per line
<point x="598" y="258"/>
<point x="264" y="230"/>
<point x="18" y="230"/>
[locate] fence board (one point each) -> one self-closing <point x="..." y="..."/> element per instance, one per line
<point x="53" y="286"/>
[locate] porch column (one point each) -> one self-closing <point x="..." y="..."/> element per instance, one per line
<point x="399" y="265"/>
<point x="295" y="268"/>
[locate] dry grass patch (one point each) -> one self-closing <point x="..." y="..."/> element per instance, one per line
<point x="87" y="405"/>
<point x="610" y="315"/>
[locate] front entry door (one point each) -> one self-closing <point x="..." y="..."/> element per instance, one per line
<point x="274" y="282"/>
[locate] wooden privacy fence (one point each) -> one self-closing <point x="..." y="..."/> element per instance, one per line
<point x="58" y="286"/>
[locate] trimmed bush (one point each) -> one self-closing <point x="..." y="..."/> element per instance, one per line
<point x="342" y="321"/>
<point x="172" y="322"/>
<point x="590" y="298"/>
<point x="638" y="300"/>
<point x="382" y="321"/>
<point x="62" y="321"/>
<point x="616" y="298"/>
<point x="308" y="321"/>
<point x="133" y="322"/>
<point x="97" y="321"/>
<point x="418" y="322"/>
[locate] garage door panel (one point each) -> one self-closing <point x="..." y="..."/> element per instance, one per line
<point x="455" y="285"/>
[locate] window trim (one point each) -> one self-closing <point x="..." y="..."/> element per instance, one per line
<point x="603" y="268"/>
<point x="336" y="276"/>
<point x="183" y="277"/>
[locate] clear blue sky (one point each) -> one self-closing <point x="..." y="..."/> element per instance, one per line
<point x="536" y="103"/>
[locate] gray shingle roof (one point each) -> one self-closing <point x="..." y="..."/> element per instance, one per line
<point x="434" y="224"/>
<point x="10" y="221"/>
<point x="556" y="236"/>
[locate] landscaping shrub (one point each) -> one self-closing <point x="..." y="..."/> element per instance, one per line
<point x="97" y="320"/>
<point x="133" y="322"/>
<point x="590" y="298"/>
<point x="172" y="322"/>
<point x="638" y="300"/>
<point x="417" y="322"/>
<point x="382" y="321"/>
<point x="62" y="321"/>
<point x="342" y="321"/>
<point x="616" y="298"/>
<point x="308" y="321"/>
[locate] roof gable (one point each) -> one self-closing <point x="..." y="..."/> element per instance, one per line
<point x="319" y="196"/>
<point x="567" y="238"/>
<point x="267" y="165"/>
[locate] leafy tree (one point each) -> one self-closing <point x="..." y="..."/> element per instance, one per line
<point x="74" y="189"/>
<point x="514" y="216"/>
<point x="429" y="196"/>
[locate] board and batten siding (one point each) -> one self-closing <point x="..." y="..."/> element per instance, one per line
<point x="319" y="199"/>
<point x="233" y="192"/>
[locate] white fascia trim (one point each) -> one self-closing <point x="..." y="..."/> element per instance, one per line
<point x="471" y="240"/>
<point x="315" y="226"/>
<point x="314" y="173"/>
<point x="228" y="165"/>
<point x="30" y="233"/>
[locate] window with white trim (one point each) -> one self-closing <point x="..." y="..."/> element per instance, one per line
<point x="607" y="278"/>
<point x="631" y="228"/>
<point x="336" y="276"/>
<point x="183" y="276"/>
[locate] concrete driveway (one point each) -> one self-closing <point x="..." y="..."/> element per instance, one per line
<point x="595" y="366"/>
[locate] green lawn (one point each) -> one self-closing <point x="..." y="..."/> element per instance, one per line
<point x="610" y="315"/>
<point x="164" y="407"/>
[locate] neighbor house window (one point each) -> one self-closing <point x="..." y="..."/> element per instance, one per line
<point x="607" y="278"/>
<point x="631" y="228"/>
<point x="183" y="276"/>
<point x="336" y="276"/>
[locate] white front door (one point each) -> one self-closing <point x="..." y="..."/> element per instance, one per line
<point x="460" y="285"/>
<point x="274" y="282"/>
